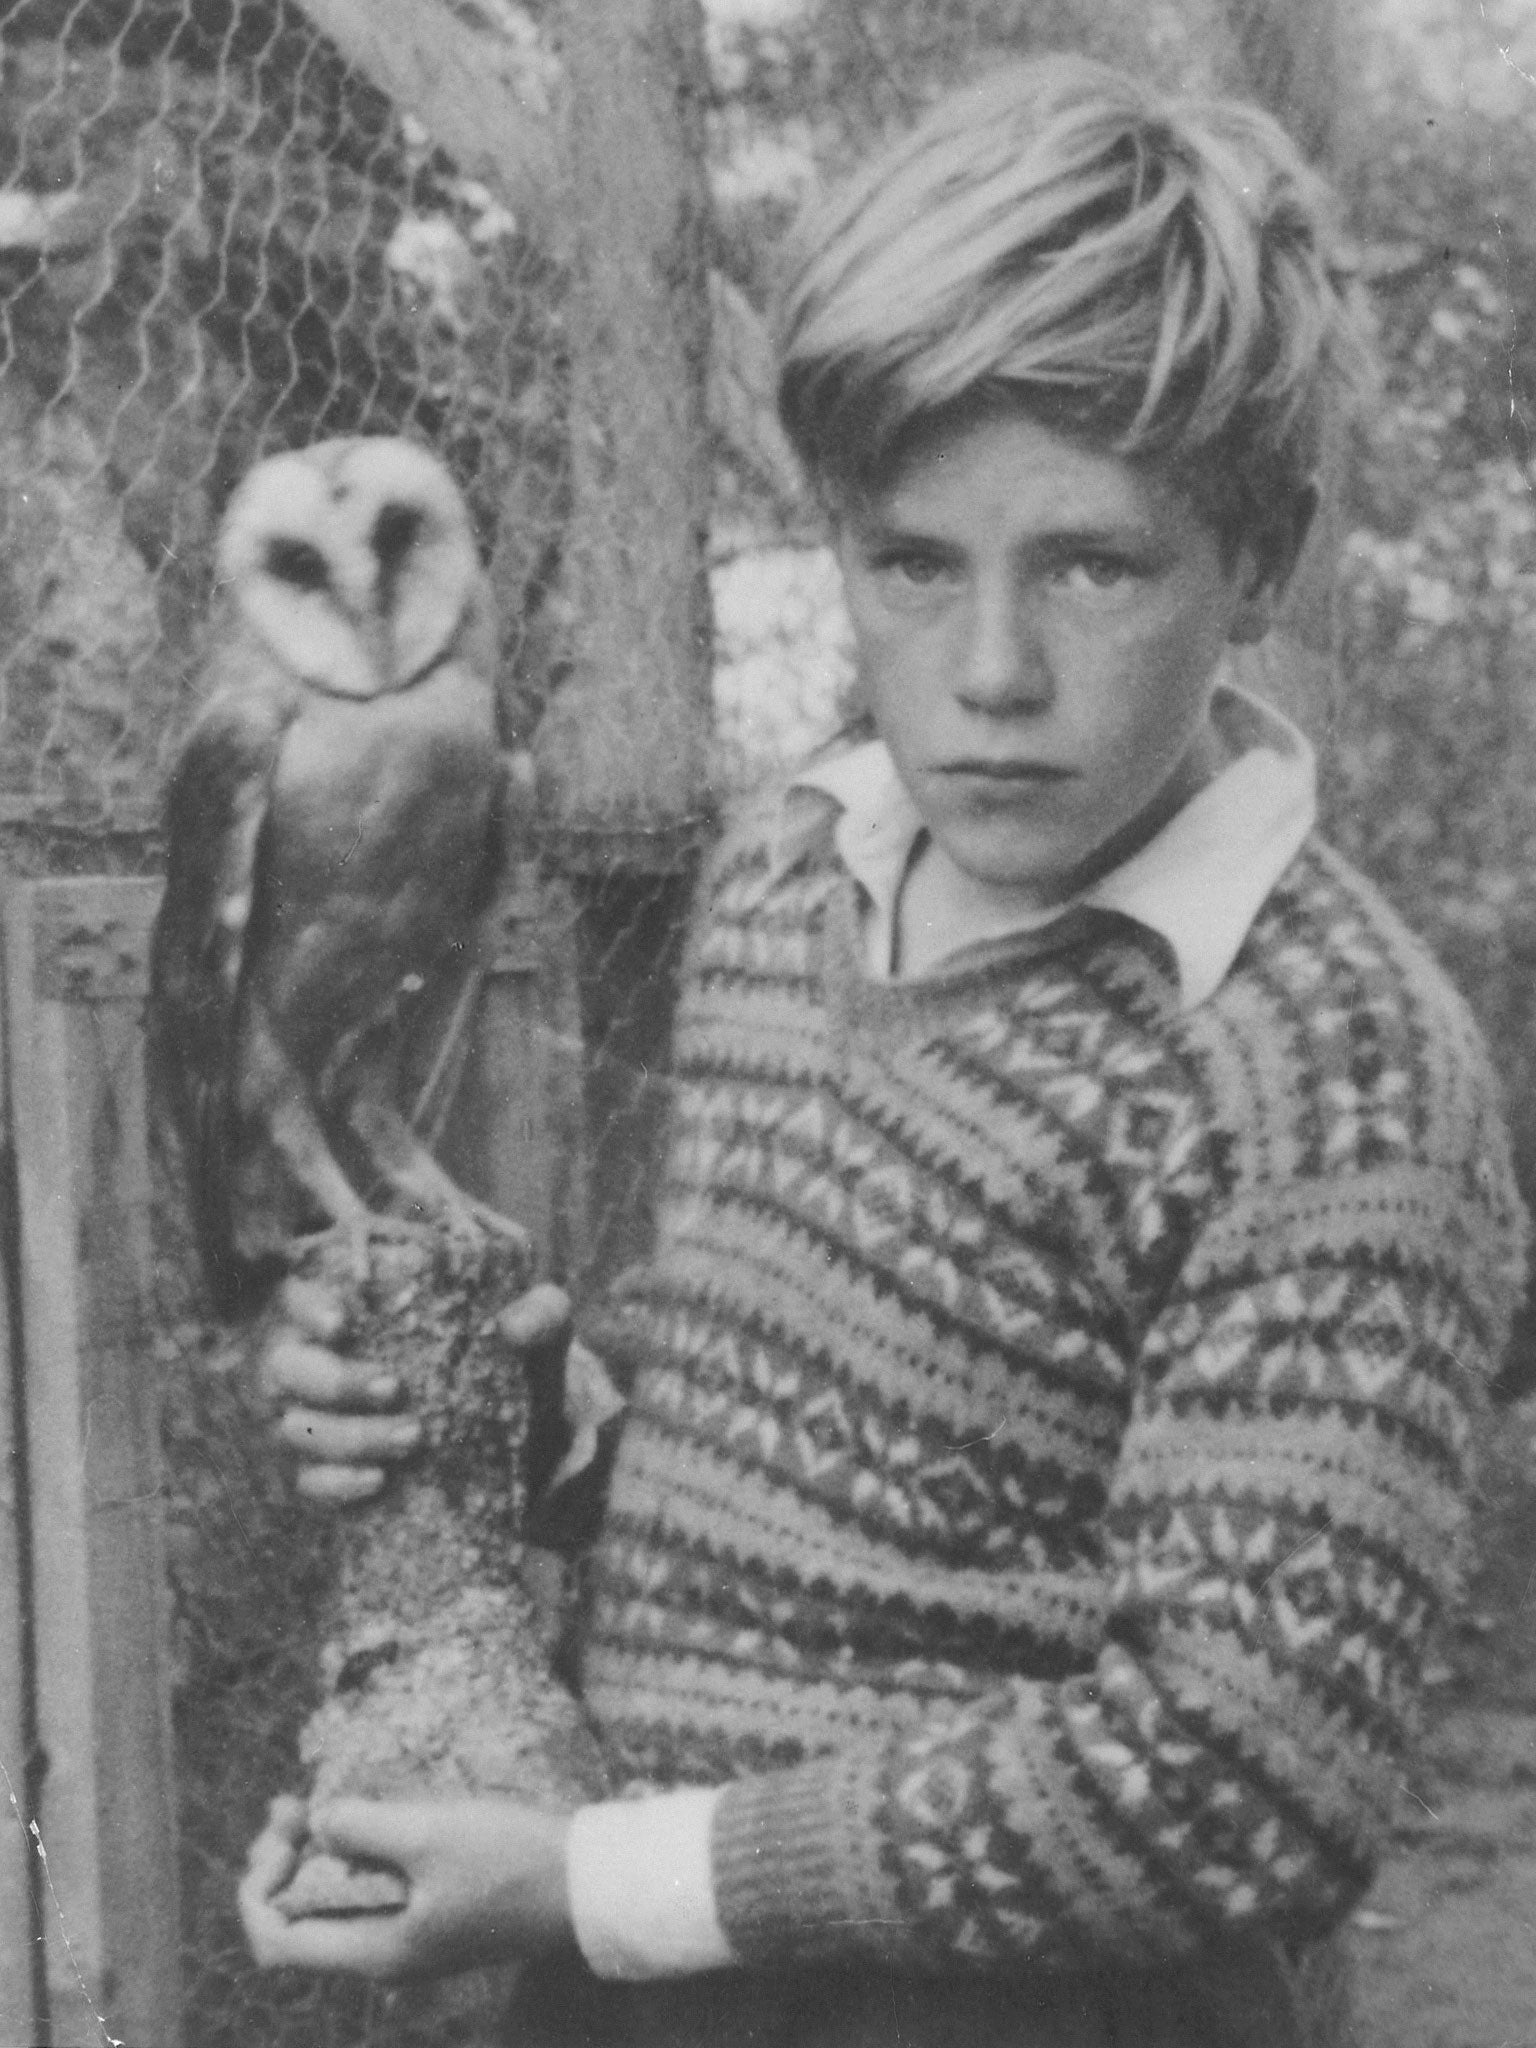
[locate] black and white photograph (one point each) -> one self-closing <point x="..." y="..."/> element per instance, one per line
<point x="767" y="1023"/>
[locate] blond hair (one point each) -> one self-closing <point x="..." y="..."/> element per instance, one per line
<point x="1157" y="274"/>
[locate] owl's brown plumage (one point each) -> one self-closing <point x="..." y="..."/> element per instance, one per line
<point x="332" y="829"/>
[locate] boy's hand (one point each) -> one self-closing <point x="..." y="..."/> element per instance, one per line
<point x="342" y="1417"/>
<point x="485" y="1884"/>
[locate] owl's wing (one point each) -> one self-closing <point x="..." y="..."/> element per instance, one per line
<point x="216" y="817"/>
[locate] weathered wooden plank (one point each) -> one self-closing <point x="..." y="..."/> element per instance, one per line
<point x="40" y="1086"/>
<point x="21" y="2024"/>
<point x="623" y="746"/>
<point x="75" y="974"/>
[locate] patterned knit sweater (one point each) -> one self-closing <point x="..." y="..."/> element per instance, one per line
<point x="1049" y="1447"/>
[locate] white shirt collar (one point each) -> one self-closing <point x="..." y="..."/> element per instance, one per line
<point x="1198" y="884"/>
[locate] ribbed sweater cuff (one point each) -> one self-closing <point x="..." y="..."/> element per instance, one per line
<point x="789" y="1878"/>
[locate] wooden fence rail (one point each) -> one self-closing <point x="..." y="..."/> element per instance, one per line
<point x="104" y="1872"/>
<point x="19" y="2023"/>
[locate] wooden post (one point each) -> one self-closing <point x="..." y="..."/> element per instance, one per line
<point x="623" y="746"/>
<point x="76" y="973"/>
<point x="623" y="749"/>
<point x="21" y="2022"/>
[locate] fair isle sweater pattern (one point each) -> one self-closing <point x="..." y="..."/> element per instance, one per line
<point x="1050" y="1433"/>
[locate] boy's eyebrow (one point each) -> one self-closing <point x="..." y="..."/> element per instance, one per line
<point x="1135" y="533"/>
<point x="871" y="526"/>
<point x="877" y="527"/>
<point x="879" y="531"/>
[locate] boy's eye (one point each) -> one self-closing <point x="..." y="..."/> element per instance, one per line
<point x="1098" y="572"/>
<point x="911" y="568"/>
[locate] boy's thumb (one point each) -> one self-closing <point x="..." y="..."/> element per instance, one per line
<point x="373" y="1830"/>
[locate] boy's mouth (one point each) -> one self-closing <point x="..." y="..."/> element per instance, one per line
<point x="1005" y="772"/>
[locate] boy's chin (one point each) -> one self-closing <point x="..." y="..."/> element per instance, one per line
<point x="1033" y="881"/>
<point x="1020" y="871"/>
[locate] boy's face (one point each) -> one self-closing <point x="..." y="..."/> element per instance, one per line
<point x="1038" y="628"/>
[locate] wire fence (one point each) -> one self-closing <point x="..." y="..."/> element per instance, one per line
<point x="216" y="240"/>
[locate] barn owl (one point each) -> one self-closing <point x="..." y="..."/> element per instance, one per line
<point x="332" y="826"/>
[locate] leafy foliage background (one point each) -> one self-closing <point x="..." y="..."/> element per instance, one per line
<point x="1431" y="759"/>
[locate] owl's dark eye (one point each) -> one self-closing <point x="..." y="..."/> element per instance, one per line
<point x="394" y="534"/>
<point x="298" y="562"/>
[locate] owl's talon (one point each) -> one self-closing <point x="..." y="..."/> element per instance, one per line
<point x="470" y="1224"/>
<point x="496" y="1225"/>
<point x="361" y="1232"/>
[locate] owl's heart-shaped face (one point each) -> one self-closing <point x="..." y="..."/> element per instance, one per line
<point x="353" y="561"/>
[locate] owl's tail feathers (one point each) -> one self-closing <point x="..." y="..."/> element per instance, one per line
<point x="191" y="1142"/>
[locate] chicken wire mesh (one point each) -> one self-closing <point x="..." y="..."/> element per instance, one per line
<point x="217" y="241"/>
<point x="219" y="238"/>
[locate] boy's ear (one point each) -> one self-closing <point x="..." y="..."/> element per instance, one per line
<point x="1266" y="565"/>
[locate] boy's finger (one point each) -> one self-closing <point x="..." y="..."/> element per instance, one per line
<point x="312" y="1308"/>
<point x="310" y="1373"/>
<point x="367" y="1944"/>
<point x="274" y="1854"/>
<point x="339" y="1485"/>
<point x="378" y="1830"/>
<point x="288" y="1815"/>
<point x="538" y="1316"/>
<point x="329" y="1439"/>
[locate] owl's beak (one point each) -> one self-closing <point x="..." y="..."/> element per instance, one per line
<point x="378" y="642"/>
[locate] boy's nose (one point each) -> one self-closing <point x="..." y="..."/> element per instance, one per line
<point x="1005" y="669"/>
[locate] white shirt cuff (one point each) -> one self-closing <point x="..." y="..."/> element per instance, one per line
<point x="642" y="1896"/>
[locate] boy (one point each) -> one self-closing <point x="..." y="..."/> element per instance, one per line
<point x="1087" y="1227"/>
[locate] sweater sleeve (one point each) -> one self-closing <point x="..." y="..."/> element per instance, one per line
<point x="1284" y="1528"/>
